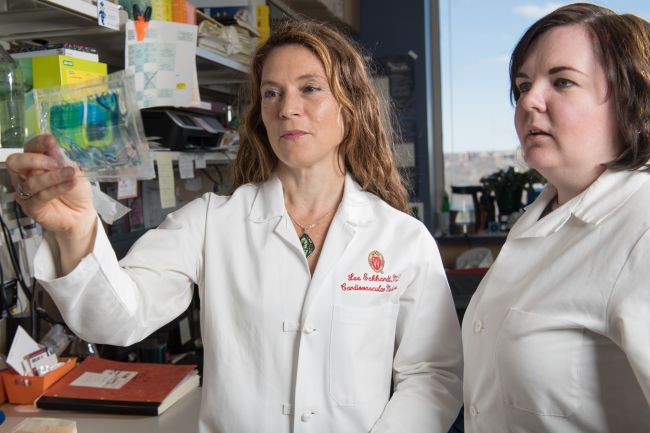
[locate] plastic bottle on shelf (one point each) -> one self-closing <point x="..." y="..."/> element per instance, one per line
<point x="12" y="98"/>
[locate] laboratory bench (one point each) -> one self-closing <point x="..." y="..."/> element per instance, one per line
<point x="182" y="416"/>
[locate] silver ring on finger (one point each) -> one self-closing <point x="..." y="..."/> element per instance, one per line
<point x="22" y="193"/>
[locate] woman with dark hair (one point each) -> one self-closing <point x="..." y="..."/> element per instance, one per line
<point x="556" y="338"/>
<point x="317" y="289"/>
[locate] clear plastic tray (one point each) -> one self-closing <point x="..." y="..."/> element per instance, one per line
<point x="97" y="125"/>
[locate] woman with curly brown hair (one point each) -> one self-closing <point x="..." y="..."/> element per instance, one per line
<point x="325" y="306"/>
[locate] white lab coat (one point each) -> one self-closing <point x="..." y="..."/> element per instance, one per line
<point x="285" y="351"/>
<point x="557" y="336"/>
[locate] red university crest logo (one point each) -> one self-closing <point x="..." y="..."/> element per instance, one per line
<point x="376" y="261"/>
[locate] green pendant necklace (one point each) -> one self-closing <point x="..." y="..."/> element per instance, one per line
<point x="307" y="243"/>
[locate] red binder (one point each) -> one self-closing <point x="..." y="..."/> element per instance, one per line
<point x="153" y="388"/>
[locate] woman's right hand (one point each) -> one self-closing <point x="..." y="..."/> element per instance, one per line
<point x="57" y="197"/>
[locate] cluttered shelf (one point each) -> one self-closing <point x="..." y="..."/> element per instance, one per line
<point x="222" y="55"/>
<point x="75" y="22"/>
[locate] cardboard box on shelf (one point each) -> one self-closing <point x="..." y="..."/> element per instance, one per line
<point x="161" y="10"/>
<point x="57" y="70"/>
<point x="263" y="23"/>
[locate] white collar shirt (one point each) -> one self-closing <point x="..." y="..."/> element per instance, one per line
<point x="285" y="351"/>
<point x="557" y="336"/>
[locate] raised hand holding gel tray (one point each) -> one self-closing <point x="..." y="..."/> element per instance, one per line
<point x="100" y="385"/>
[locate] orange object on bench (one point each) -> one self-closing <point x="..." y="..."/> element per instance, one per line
<point x="25" y="389"/>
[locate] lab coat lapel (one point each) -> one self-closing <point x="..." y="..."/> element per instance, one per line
<point x="529" y="225"/>
<point x="603" y="197"/>
<point x="608" y="193"/>
<point x="354" y="212"/>
<point x="269" y="204"/>
<point x="285" y="230"/>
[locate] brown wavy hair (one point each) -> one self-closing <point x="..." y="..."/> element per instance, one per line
<point x="366" y="148"/>
<point x="623" y="45"/>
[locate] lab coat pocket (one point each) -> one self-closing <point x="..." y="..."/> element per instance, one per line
<point x="361" y="352"/>
<point x="538" y="363"/>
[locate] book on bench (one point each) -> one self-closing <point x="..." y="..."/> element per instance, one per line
<point x="101" y="385"/>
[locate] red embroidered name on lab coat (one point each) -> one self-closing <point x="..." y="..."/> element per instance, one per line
<point x="360" y="282"/>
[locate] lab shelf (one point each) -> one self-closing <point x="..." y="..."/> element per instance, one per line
<point x="47" y="19"/>
<point x="221" y="60"/>
<point x="224" y="154"/>
<point x="76" y="21"/>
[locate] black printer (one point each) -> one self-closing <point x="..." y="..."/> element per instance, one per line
<point x="184" y="130"/>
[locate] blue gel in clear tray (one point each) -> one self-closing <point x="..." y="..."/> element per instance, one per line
<point x="96" y="123"/>
<point x="86" y="131"/>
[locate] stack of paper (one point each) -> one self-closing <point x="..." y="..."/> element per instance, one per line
<point x="236" y="41"/>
